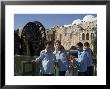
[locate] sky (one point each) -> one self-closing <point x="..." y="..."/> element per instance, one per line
<point x="47" y="20"/>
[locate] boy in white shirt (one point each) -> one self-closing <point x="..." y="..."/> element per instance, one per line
<point x="47" y="60"/>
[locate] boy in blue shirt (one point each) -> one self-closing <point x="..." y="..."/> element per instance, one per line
<point x="61" y="58"/>
<point x="81" y="60"/>
<point x="90" y="59"/>
<point x="47" y="60"/>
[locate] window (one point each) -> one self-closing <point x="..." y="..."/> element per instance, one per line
<point x="87" y="36"/>
<point x="83" y="36"/>
<point x="70" y="35"/>
<point x="92" y="35"/>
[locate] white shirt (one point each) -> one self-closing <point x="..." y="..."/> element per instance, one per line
<point x="61" y="58"/>
<point x="47" y="60"/>
<point x="82" y="61"/>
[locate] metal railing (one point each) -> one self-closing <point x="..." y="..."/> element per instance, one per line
<point x="23" y="66"/>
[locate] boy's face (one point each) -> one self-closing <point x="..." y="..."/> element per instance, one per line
<point x="85" y="47"/>
<point x="71" y="57"/>
<point x="79" y="48"/>
<point x="57" y="46"/>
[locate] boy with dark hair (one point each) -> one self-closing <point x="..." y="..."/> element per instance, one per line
<point x="61" y="58"/>
<point x="81" y="60"/>
<point x="90" y="59"/>
<point x="47" y="60"/>
<point x="72" y="65"/>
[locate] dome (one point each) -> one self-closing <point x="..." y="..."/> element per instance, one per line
<point x="67" y="25"/>
<point x="77" y="22"/>
<point x="88" y="18"/>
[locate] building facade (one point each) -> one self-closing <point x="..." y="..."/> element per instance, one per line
<point x="79" y="31"/>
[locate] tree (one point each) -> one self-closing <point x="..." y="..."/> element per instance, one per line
<point x="94" y="42"/>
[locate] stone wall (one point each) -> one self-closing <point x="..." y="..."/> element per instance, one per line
<point x="71" y="35"/>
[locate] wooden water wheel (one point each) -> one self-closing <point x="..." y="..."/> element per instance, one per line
<point x="33" y="36"/>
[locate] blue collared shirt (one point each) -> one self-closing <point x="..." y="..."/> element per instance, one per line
<point x="47" y="60"/>
<point x="82" y="61"/>
<point x="89" y="55"/>
<point x="61" y="59"/>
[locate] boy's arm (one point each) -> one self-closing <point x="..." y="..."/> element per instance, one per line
<point x="40" y="57"/>
<point x="81" y="59"/>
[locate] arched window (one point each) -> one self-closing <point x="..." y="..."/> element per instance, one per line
<point x="83" y="36"/>
<point x="87" y="36"/>
<point x="70" y="35"/>
<point x="92" y="35"/>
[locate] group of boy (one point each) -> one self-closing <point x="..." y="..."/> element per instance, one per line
<point x="59" y="58"/>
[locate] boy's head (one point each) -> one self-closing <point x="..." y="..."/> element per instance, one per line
<point x="71" y="55"/>
<point x="79" y="46"/>
<point x="58" y="44"/>
<point x="48" y="45"/>
<point x="86" y="44"/>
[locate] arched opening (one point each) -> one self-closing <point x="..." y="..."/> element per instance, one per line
<point x="87" y="36"/>
<point x="83" y="36"/>
<point x="92" y="35"/>
<point x="70" y="35"/>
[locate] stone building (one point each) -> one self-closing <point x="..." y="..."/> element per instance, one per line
<point x="79" y="31"/>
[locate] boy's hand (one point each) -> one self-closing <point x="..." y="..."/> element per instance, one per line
<point x="33" y="61"/>
<point x="75" y="59"/>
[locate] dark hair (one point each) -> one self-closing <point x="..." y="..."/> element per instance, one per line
<point x="71" y="53"/>
<point x="57" y="41"/>
<point x="86" y="44"/>
<point x="73" y="48"/>
<point x="47" y="42"/>
<point x="62" y="47"/>
<point x="80" y="44"/>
